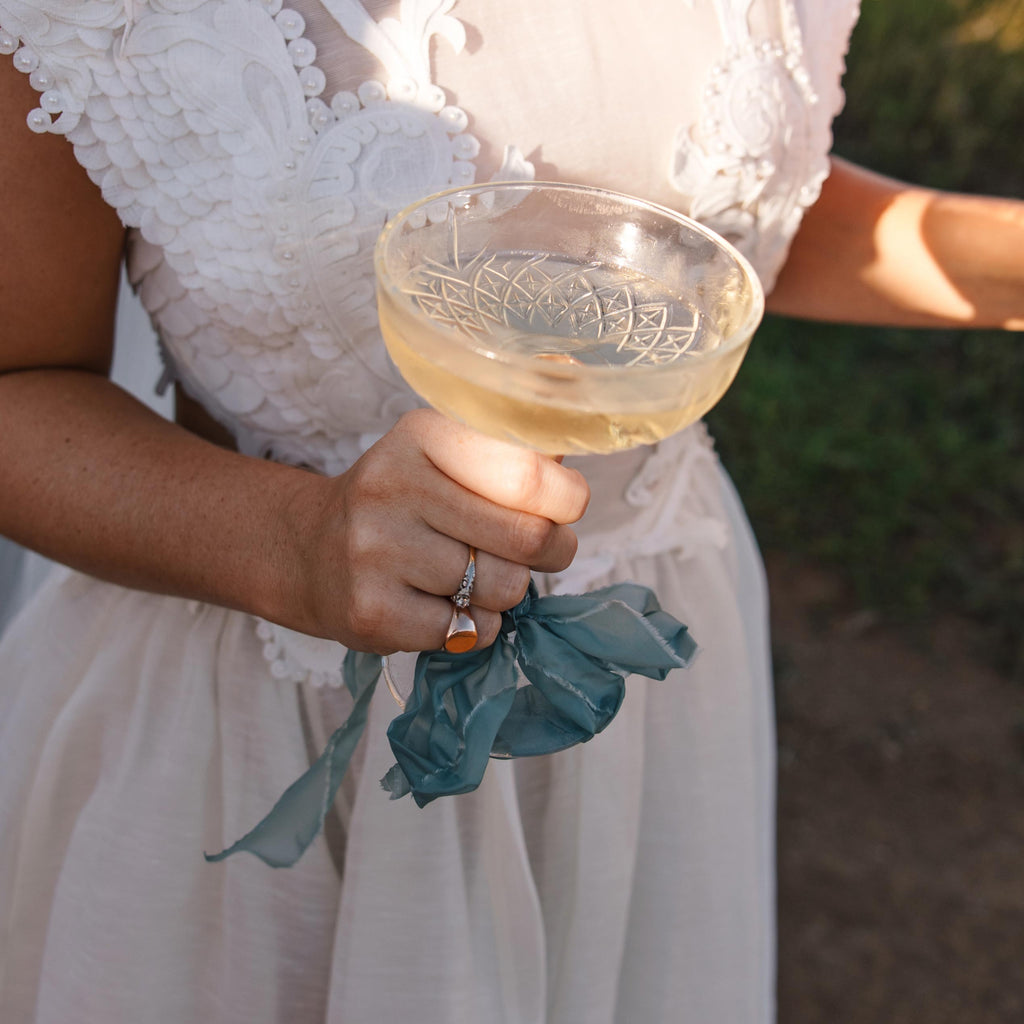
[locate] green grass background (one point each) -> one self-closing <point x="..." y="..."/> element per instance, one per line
<point x="897" y="456"/>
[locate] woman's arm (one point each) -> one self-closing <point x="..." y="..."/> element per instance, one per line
<point x="91" y="477"/>
<point x="876" y="250"/>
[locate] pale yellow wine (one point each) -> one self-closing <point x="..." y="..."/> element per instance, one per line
<point x="602" y="359"/>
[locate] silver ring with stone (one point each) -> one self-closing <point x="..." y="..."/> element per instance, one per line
<point x="462" y="596"/>
<point x="461" y="635"/>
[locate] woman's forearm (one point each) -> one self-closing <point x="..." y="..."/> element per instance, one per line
<point x="92" y="478"/>
<point x="979" y="243"/>
<point x="874" y="250"/>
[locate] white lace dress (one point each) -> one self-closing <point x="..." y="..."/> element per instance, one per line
<point x="255" y="152"/>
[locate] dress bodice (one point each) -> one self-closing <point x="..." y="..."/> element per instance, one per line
<point x="256" y="150"/>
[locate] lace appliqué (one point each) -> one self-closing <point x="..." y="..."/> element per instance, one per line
<point x="298" y="658"/>
<point x="756" y="158"/>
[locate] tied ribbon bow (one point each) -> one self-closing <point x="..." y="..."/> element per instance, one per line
<point x="575" y="652"/>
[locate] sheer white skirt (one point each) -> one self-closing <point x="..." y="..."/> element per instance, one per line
<point x="630" y="879"/>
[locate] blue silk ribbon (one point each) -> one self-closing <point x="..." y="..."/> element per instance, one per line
<point x="574" y="651"/>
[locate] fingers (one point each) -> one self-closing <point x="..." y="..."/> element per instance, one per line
<point x="425" y="620"/>
<point x="505" y="474"/>
<point x="393" y="539"/>
<point x="499" y="584"/>
<point x="498" y="498"/>
<point x="525" y="539"/>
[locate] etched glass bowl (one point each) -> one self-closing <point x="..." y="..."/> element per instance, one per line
<point x="564" y="318"/>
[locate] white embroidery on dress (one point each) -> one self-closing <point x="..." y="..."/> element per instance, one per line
<point x="756" y="158"/>
<point x="514" y="167"/>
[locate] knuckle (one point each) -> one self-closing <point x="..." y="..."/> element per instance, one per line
<point x="579" y="493"/>
<point x="510" y="584"/>
<point x="365" y="615"/>
<point x="414" y="424"/>
<point x="363" y="541"/>
<point x="372" y="479"/>
<point x="565" y="551"/>
<point x="525" y="479"/>
<point x="530" y="537"/>
<point x="488" y="625"/>
<point x="407" y="422"/>
<point x="517" y="584"/>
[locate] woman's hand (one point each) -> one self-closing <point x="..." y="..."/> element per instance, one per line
<point x="389" y="542"/>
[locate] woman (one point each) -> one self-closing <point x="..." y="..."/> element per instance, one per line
<point x="253" y="154"/>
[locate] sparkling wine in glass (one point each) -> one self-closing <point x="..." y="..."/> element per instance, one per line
<point x="563" y="318"/>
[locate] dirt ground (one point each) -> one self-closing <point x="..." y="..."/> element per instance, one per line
<point x="901" y="816"/>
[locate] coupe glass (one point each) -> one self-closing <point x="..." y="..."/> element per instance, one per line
<point x="560" y="317"/>
<point x="568" y="319"/>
